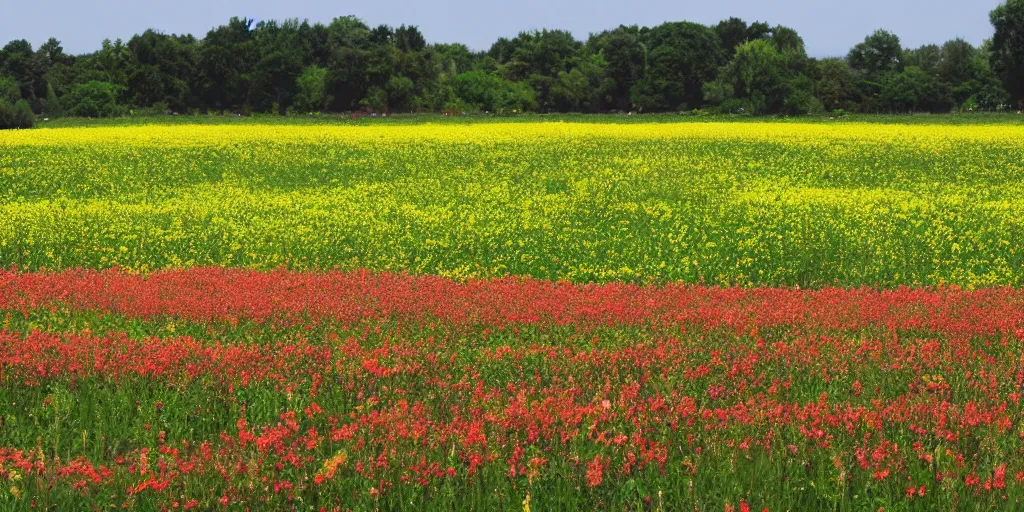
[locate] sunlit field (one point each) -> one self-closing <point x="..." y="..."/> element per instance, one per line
<point x="512" y="316"/>
<point x="749" y="204"/>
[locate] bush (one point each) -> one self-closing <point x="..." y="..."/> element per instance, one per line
<point x="93" y="99"/>
<point x="492" y="93"/>
<point x="18" y="115"/>
<point x="160" y="108"/>
<point x="734" y="106"/>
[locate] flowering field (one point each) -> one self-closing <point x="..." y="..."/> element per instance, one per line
<point x="523" y="316"/>
<point x="196" y="387"/>
<point x="751" y="204"/>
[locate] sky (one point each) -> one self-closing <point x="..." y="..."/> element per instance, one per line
<point x="829" y="27"/>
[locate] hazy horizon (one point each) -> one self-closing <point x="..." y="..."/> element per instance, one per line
<point x="829" y="28"/>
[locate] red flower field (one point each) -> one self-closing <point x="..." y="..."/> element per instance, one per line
<point x="210" y="388"/>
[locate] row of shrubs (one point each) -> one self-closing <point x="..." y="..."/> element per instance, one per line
<point x="18" y="115"/>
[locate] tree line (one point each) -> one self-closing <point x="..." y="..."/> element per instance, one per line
<point x="297" y="67"/>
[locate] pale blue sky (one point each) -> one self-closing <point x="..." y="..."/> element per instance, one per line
<point x="829" y="27"/>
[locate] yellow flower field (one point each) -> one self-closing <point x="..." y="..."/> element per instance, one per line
<point x="719" y="203"/>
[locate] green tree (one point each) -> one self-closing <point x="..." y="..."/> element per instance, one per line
<point x="786" y="40"/>
<point x="312" y="90"/>
<point x="586" y="88"/>
<point x="400" y="91"/>
<point x="625" y="57"/>
<point x="110" y="64"/>
<point x="9" y="90"/>
<point x="93" y="99"/>
<point x="754" y="76"/>
<point x="1007" y="49"/>
<point x="537" y="58"/>
<point x="409" y="39"/>
<point x="957" y="64"/>
<point x="52" y="107"/>
<point x="731" y="33"/>
<point x="376" y="99"/>
<point x="226" y="61"/>
<point x="347" y="74"/>
<point x="18" y="61"/>
<point x="480" y="89"/>
<point x="837" y="86"/>
<point x="682" y="58"/>
<point x="915" y="90"/>
<point x="927" y="57"/>
<point x="452" y="59"/>
<point x="879" y="53"/>
<point x="274" y="80"/>
<point x="162" y="71"/>
<point x="18" y="115"/>
<point x="486" y="91"/>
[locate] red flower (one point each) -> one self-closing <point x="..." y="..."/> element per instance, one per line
<point x="999" y="482"/>
<point x="595" y="469"/>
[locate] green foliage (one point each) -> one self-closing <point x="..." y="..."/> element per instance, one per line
<point x="915" y="90"/>
<point x="537" y="58"/>
<point x="799" y="99"/>
<point x="161" y="72"/>
<point x="682" y="58"/>
<point x="837" y="86"/>
<point x="52" y="108"/>
<point x="927" y="57"/>
<point x="312" y="90"/>
<point x="295" y="66"/>
<point x="754" y="77"/>
<point x="879" y="53"/>
<point x="9" y="91"/>
<point x="24" y="66"/>
<point x="1007" y="49"/>
<point x="93" y="99"/>
<point x="18" y="115"/>
<point x="400" y="90"/>
<point x="488" y="92"/>
<point x="586" y="88"/>
<point x="625" y="58"/>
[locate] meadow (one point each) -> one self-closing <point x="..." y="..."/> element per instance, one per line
<point x="527" y="315"/>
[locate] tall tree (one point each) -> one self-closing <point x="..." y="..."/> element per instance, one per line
<point x="682" y="57"/>
<point x="409" y="39"/>
<point x="731" y="33"/>
<point x="837" y="86"/>
<point x="226" y="62"/>
<point x="1008" y="47"/>
<point x="625" y="57"/>
<point x="163" y="70"/>
<point x="926" y="57"/>
<point x="879" y="53"/>
<point x="18" y="61"/>
<point x="915" y="90"/>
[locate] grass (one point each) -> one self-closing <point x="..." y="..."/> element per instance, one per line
<point x="969" y="118"/>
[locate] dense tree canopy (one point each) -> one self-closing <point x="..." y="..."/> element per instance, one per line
<point x="346" y="65"/>
<point x="1007" y="49"/>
